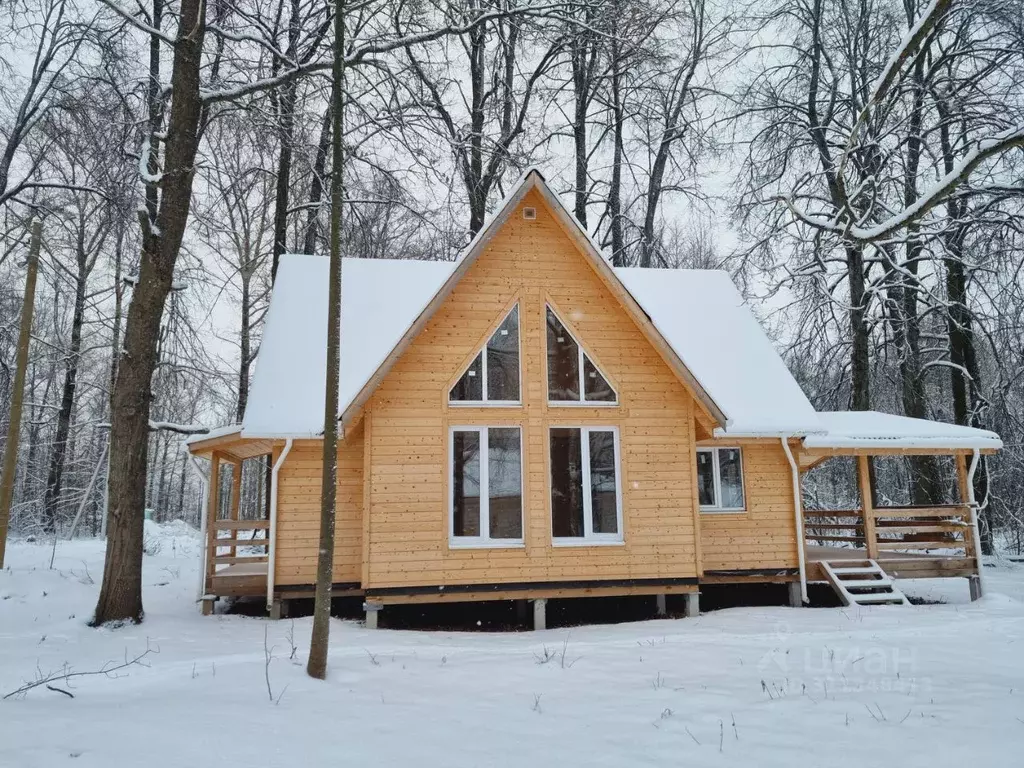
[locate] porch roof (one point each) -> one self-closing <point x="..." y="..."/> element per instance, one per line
<point x="228" y="441"/>
<point x="851" y="431"/>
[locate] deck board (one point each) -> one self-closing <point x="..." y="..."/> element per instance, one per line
<point x="906" y="565"/>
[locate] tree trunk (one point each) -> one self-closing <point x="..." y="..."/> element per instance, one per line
<point x="965" y="373"/>
<point x="319" y="640"/>
<point x="286" y="135"/>
<point x="120" y="596"/>
<point x="581" y="49"/>
<point x="55" y="477"/>
<point x="18" y="393"/>
<point x="245" y="342"/>
<point x="475" y="186"/>
<point x="179" y="504"/>
<point x="618" y="158"/>
<point x="926" y="486"/>
<point x="316" y="189"/>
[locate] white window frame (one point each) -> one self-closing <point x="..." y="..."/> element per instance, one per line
<point x="589" y="538"/>
<point x="484" y="540"/>
<point x="716" y="471"/>
<point x="582" y="402"/>
<point x="482" y="351"/>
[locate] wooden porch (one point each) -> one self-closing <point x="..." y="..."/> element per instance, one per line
<point x="236" y="550"/>
<point x="908" y="542"/>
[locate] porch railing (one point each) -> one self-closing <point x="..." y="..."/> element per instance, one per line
<point x="235" y="542"/>
<point x="944" y="530"/>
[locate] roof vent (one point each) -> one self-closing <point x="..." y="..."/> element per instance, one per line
<point x="530" y="214"/>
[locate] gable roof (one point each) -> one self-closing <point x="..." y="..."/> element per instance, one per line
<point x="695" y="319"/>
<point x="380" y="299"/>
<point x="704" y="318"/>
<point x="533" y="180"/>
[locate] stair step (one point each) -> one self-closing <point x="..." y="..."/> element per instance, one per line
<point x="863" y="590"/>
<point x="868" y="584"/>
<point x="881" y="598"/>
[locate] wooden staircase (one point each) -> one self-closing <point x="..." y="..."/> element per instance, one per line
<point x="862" y="582"/>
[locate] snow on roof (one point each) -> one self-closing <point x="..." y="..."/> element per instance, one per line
<point x="870" y="429"/>
<point x="380" y="299"/>
<point x="702" y="315"/>
<point x="226" y="429"/>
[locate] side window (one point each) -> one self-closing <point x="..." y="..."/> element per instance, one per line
<point x="572" y="375"/>
<point x="493" y="376"/>
<point x="720" y="480"/>
<point x="586" y="499"/>
<point x="486" y="500"/>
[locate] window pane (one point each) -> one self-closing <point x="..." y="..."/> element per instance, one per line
<point x="504" y="489"/>
<point x="602" y="482"/>
<point x="503" y="360"/>
<point x="470" y="386"/>
<point x="595" y="386"/>
<point x="732" y="478"/>
<point x="705" y="478"/>
<point x="466" y="483"/>
<point x="563" y="362"/>
<point x="566" y="483"/>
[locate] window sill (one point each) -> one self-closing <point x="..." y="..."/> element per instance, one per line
<point x="485" y="404"/>
<point x="711" y="511"/>
<point x="582" y="404"/>
<point x="480" y="544"/>
<point x="582" y="542"/>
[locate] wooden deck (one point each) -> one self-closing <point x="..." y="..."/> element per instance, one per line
<point x="901" y="565"/>
<point x="239" y="579"/>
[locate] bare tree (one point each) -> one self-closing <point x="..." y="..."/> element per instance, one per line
<point x="481" y="115"/>
<point x="54" y="32"/>
<point x="319" y="641"/>
<point x="237" y="223"/>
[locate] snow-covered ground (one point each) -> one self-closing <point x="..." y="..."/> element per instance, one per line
<point x="926" y="685"/>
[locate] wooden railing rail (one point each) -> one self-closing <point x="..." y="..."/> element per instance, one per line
<point x="946" y="527"/>
<point x="229" y="535"/>
<point x="834" y="526"/>
<point x="910" y="528"/>
<point x="241" y="525"/>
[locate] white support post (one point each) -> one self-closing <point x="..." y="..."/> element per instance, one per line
<point x="272" y="532"/>
<point x="977" y="583"/>
<point x="798" y="515"/>
<point x="692" y="605"/>
<point x="540" y="613"/>
<point x="204" y="495"/>
<point x="662" y="602"/>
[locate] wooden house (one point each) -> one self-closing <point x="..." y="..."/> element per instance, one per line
<point x="529" y="423"/>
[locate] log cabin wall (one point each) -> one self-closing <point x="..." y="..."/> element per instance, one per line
<point x="763" y="535"/>
<point x="298" y="511"/>
<point x="532" y="262"/>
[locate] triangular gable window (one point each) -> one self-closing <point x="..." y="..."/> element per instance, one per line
<point x="572" y="375"/>
<point x="493" y="376"/>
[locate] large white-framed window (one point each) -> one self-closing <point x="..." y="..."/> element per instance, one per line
<point x="485" y="474"/>
<point x="573" y="379"/>
<point x="720" y="480"/>
<point x="586" y="485"/>
<point x="493" y="378"/>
